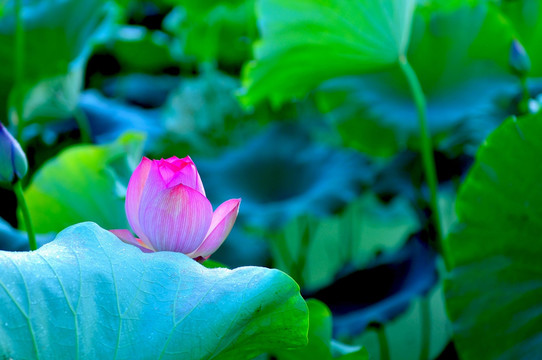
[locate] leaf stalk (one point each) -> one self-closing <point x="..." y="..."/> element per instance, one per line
<point x="426" y="147"/>
<point x="18" y="189"/>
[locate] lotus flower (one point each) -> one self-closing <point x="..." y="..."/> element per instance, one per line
<point x="167" y="208"/>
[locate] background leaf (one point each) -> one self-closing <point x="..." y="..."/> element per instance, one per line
<point x="214" y="31"/>
<point x="321" y="346"/>
<point x="109" y="118"/>
<point x="395" y="279"/>
<point x="58" y="38"/>
<point x="494" y="291"/>
<point x="405" y="333"/>
<point x="161" y="305"/>
<point x="344" y="242"/>
<point x="306" y="42"/>
<point x="460" y="56"/>
<point x="138" y="49"/>
<point x="279" y="183"/>
<point x="84" y="182"/>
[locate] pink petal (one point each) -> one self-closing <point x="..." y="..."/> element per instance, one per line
<point x="153" y="186"/>
<point x="198" y="184"/>
<point x="179" y="164"/>
<point x="128" y="238"/>
<point x="187" y="174"/>
<point x="223" y="219"/>
<point x="167" y="170"/>
<point x="176" y="161"/>
<point x="176" y="219"/>
<point x="134" y="192"/>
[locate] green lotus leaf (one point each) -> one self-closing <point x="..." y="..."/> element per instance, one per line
<point x="306" y="42"/>
<point x="460" y="55"/>
<point x="495" y="285"/>
<point x="89" y="295"/>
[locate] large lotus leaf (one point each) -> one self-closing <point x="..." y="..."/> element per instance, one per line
<point x="306" y="42"/>
<point x="58" y="37"/>
<point x="84" y="182"/>
<point x="89" y="295"/>
<point x="460" y="56"/>
<point x="495" y="286"/>
<point x="321" y="346"/>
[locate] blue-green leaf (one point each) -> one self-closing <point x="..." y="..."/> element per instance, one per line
<point x="89" y="295"/>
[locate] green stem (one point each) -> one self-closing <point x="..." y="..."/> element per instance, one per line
<point x="425" y="328"/>
<point x="18" y="189"/>
<point x="84" y="126"/>
<point x="19" y="69"/>
<point x="426" y="146"/>
<point x="383" y="342"/>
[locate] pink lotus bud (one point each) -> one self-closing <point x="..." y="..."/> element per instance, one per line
<point x="167" y="208"/>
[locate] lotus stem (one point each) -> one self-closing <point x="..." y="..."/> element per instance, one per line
<point x="426" y="147"/>
<point x="19" y="70"/>
<point x="18" y="189"/>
